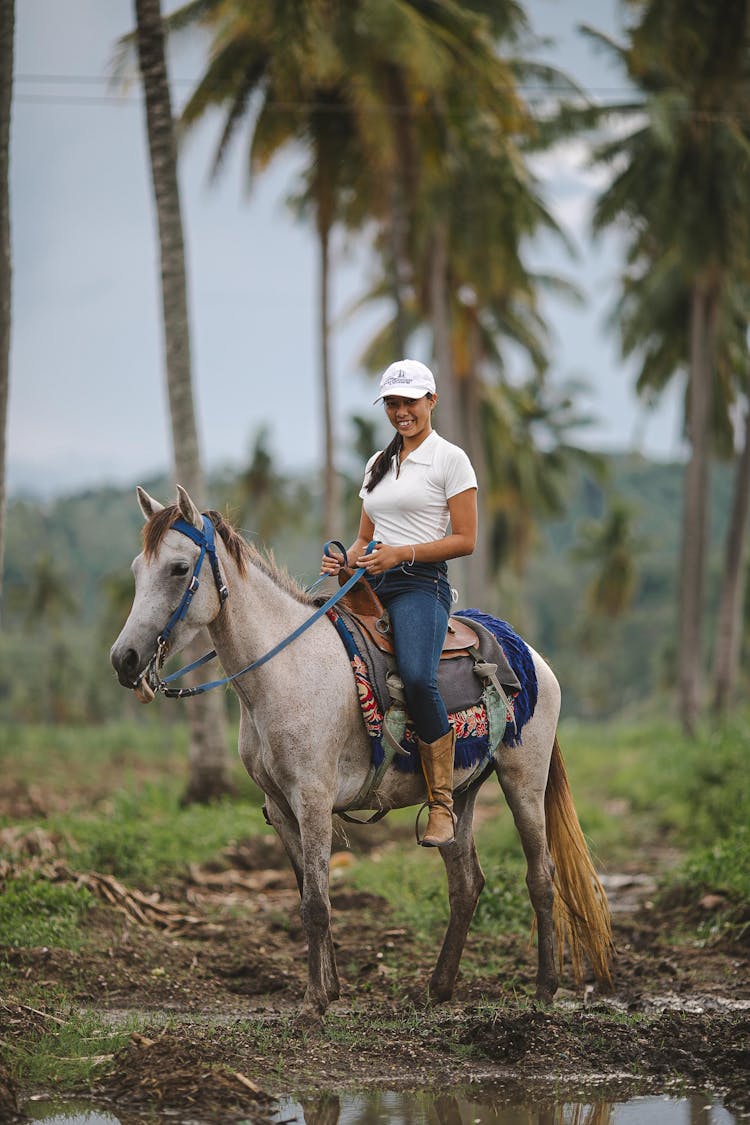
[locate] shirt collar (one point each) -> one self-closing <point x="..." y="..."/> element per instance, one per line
<point x="424" y="454"/>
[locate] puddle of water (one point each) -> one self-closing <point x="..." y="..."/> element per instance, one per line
<point x="61" y="1113"/>
<point x="481" y="1108"/>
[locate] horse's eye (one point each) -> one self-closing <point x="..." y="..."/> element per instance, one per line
<point x="180" y="569"/>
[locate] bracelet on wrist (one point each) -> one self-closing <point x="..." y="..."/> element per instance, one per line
<point x="413" y="554"/>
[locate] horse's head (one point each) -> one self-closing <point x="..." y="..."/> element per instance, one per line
<point x="170" y="604"/>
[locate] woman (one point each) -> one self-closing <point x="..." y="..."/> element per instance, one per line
<point x="412" y="490"/>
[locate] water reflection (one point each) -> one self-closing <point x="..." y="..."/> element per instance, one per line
<point x="496" y="1106"/>
<point x="485" y="1106"/>
<point x="56" y="1114"/>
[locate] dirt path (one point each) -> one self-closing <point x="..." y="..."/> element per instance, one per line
<point x="215" y="969"/>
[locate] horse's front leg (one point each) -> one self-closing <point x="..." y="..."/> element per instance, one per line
<point x="323" y="979"/>
<point x="465" y="882"/>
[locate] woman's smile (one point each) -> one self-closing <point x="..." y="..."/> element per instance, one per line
<point x="410" y="416"/>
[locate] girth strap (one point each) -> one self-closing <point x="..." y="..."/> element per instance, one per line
<point x="487" y="671"/>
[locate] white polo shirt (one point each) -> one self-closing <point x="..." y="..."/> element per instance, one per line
<point x="412" y="507"/>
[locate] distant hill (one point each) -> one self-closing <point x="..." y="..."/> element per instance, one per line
<point x="94" y="534"/>
<point x="620" y="663"/>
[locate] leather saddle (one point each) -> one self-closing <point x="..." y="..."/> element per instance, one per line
<point x="363" y="603"/>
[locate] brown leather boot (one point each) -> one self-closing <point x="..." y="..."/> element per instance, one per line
<point x="437" y="766"/>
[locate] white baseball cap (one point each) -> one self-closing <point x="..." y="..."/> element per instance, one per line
<point x="406" y="378"/>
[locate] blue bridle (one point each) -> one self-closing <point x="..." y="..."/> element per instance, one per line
<point x="206" y="541"/>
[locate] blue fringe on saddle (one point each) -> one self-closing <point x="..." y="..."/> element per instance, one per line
<point x="519" y="658"/>
<point x="471" y="725"/>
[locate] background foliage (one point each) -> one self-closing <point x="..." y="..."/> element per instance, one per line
<point x="69" y="589"/>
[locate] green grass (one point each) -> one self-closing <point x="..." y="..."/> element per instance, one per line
<point x="504" y="902"/>
<point x="646" y="784"/>
<point x="35" y="912"/>
<point x="413" y="882"/>
<point x="113" y="796"/>
<point x="110" y="802"/>
<point x="144" y="835"/>
<point x="69" y="1053"/>
<point x="112" y="799"/>
<point x="147" y="836"/>
<point x="636" y="786"/>
<point x="723" y="867"/>
<point x="665" y="783"/>
<point x="91" y="758"/>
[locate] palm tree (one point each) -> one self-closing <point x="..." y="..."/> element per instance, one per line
<point x="610" y="546"/>
<point x="208" y="762"/>
<point x="530" y="454"/>
<point x="652" y="314"/>
<point x="471" y="286"/>
<point x="48" y="601"/>
<point x="261" y="493"/>
<point x="355" y="87"/>
<point x="48" y="598"/>
<point x="7" y="23"/>
<point x="691" y="145"/>
<point x="731" y="605"/>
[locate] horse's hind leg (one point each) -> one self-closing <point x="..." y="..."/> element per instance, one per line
<point x="523" y="777"/>
<point x="465" y="882"/>
<point x="322" y="959"/>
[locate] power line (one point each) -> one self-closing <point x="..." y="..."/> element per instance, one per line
<point x="76" y="99"/>
<point x="93" y="79"/>
<point x="83" y="79"/>
<point x="135" y="98"/>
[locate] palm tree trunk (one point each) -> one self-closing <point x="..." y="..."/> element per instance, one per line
<point x="163" y="154"/>
<point x="448" y="415"/>
<point x="731" y="605"/>
<point x="449" y="406"/>
<point x="208" y="759"/>
<point x="695" y="511"/>
<point x="331" y="505"/>
<point x="396" y="221"/>
<point x="478" y="570"/>
<point x="7" y="24"/>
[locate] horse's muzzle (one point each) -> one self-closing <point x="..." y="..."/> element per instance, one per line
<point x="133" y="673"/>
<point x="128" y="663"/>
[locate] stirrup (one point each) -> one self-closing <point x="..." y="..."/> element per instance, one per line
<point x="429" y="805"/>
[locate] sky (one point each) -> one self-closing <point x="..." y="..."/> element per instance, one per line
<point x="87" y="400"/>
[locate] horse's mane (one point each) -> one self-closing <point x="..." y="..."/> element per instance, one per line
<point x="242" y="553"/>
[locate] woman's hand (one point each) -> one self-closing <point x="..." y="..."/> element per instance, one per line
<point x="382" y="558"/>
<point x="331" y="564"/>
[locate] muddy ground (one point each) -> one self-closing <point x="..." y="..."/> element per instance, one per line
<point x="213" y="967"/>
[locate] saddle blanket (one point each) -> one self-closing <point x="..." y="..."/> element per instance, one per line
<point x="460" y="687"/>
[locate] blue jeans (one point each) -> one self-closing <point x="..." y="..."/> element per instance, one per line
<point x="418" y="600"/>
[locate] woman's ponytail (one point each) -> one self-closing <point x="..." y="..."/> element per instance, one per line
<point x="383" y="462"/>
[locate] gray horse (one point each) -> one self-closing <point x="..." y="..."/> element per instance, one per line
<point x="303" y="741"/>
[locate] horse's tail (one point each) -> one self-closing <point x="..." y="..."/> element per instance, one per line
<point x="580" y="912"/>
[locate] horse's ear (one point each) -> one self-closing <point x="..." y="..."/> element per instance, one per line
<point x="188" y="510"/>
<point x="148" y="505"/>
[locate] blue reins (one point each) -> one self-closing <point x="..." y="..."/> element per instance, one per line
<point x="205" y="540"/>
